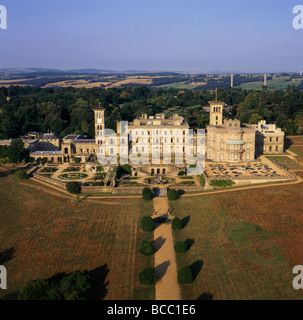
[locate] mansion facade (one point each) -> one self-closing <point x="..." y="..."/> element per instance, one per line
<point x="225" y="140"/>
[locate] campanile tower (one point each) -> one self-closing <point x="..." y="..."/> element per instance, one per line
<point x="99" y="121"/>
<point x="216" y="113"/>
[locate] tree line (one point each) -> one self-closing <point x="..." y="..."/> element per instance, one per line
<point x="70" y="110"/>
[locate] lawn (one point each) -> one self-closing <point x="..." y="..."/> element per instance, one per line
<point x="285" y="161"/>
<point x="244" y="244"/>
<point x="295" y="144"/>
<point x="42" y="234"/>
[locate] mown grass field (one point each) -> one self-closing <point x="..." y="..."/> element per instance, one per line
<point x="244" y="243"/>
<point x="285" y="161"/>
<point x="42" y="235"/>
<point x="295" y="144"/>
<point x="276" y="83"/>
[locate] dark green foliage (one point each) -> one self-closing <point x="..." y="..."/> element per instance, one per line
<point x="70" y="109"/>
<point x="147" y="224"/>
<point x="177" y="224"/>
<point x="77" y="160"/>
<point x="185" y="275"/>
<point x="172" y="194"/>
<point x="20" y="174"/>
<point x="16" y="151"/>
<point x="125" y="169"/>
<point x="147" y="194"/>
<point x="74" y="286"/>
<point x="147" y="276"/>
<point x="181" y="246"/>
<point x="147" y="248"/>
<point x="99" y="169"/>
<point x="39" y="290"/>
<point x="181" y="173"/>
<point x="73" y="187"/>
<point x="221" y="183"/>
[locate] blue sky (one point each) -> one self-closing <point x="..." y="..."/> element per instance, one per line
<point x="156" y="35"/>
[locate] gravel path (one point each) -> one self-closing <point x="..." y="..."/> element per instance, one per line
<point x="167" y="287"/>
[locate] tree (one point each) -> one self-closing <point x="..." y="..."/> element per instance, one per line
<point x="185" y="275"/>
<point x="172" y="194"/>
<point x="73" y="187"/>
<point x="16" y="151"/>
<point x="181" y="246"/>
<point x="148" y="276"/>
<point x="39" y="290"/>
<point x="147" y="194"/>
<point x="254" y="118"/>
<point x="147" y="224"/>
<point x="20" y="175"/>
<point x="75" y="286"/>
<point x="177" y="224"/>
<point x="147" y="248"/>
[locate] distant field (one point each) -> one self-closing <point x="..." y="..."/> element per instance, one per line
<point x="276" y="83"/>
<point x="245" y="243"/>
<point x="47" y="235"/>
<point x="179" y="85"/>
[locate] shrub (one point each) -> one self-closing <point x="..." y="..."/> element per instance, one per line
<point x="221" y="183"/>
<point x="20" y="174"/>
<point x="181" y="173"/>
<point x="172" y="194"/>
<point x="147" y="276"/>
<point x="177" y="224"/>
<point x="185" y="275"/>
<point x="147" y="194"/>
<point x="147" y="224"/>
<point x="147" y="248"/>
<point x="77" y="160"/>
<point x="181" y="246"/>
<point x="127" y="169"/>
<point x="73" y="187"/>
<point x="202" y="180"/>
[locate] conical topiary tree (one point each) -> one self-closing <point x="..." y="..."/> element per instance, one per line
<point x="177" y="224"/>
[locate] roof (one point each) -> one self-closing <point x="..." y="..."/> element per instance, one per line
<point x="50" y="136"/>
<point x="46" y="152"/>
<point x="85" y="141"/>
<point x="71" y="136"/>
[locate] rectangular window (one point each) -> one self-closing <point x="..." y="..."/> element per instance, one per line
<point x="236" y="157"/>
<point x="277" y="139"/>
<point x="277" y="148"/>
